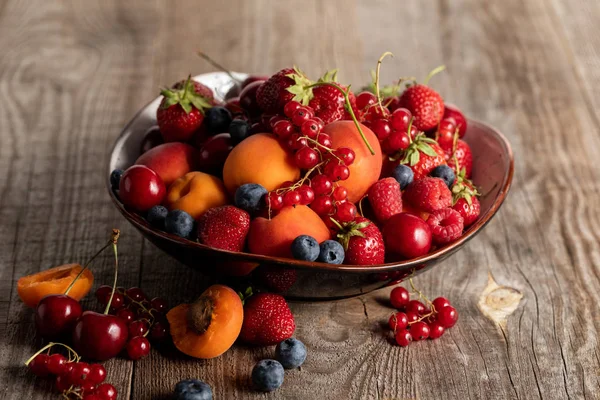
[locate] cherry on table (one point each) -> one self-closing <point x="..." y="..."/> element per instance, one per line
<point x="56" y="315"/>
<point x="99" y="336"/>
<point x="141" y="188"/>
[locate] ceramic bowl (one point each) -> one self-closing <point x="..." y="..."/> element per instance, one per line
<point x="492" y="174"/>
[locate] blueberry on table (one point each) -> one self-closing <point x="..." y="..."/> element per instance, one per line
<point x="115" y="178"/>
<point x="404" y="175"/>
<point x="305" y="248"/>
<point x="192" y="389"/>
<point x="239" y="130"/>
<point x="249" y="197"/>
<point x="217" y="119"/>
<point x="267" y="375"/>
<point x="179" y="223"/>
<point x="445" y="173"/>
<point x="156" y="217"/>
<point x="291" y="353"/>
<point x="331" y="252"/>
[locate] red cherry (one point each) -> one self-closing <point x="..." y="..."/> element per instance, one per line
<point x="56" y="364"/>
<point x="248" y="98"/>
<point x="340" y="193"/>
<point x="436" y="330"/>
<point x="399" y="297"/>
<point x="62" y="383"/>
<point x="291" y="198"/>
<point x="274" y="201"/>
<point x="407" y="235"/>
<point x="283" y="129"/>
<point x="301" y="115"/>
<point x="254" y="78"/>
<point x="310" y="128"/>
<point x="141" y="188"/>
<point x="365" y="99"/>
<point x="99" y="336"/>
<point x="447" y="316"/>
<point x="381" y="128"/>
<point x="290" y="107"/>
<point x="152" y="138"/>
<point x="97" y="374"/>
<point x="419" y="330"/>
<point x="403" y="337"/>
<point x="214" y="152"/>
<point x="398" y="321"/>
<point x="346" y="212"/>
<point x="56" y="314"/>
<point x="106" y="391"/>
<point x="440" y="302"/>
<point x="159" y="331"/>
<point x="345" y="154"/>
<point x="159" y="304"/>
<point x="416" y="306"/>
<point x="138" y="347"/>
<point x="307" y="195"/>
<point x="126" y="314"/>
<point x="39" y="365"/>
<point x="306" y="158"/>
<point x="79" y="373"/>
<point x="138" y="328"/>
<point x="321" y="184"/>
<point x="400" y="119"/>
<point x="322" y="205"/>
<point x="136" y="294"/>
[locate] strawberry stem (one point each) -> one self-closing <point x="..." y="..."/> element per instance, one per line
<point x="115" y="237"/>
<point x="435" y="71"/>
<point x="384" y="55"/>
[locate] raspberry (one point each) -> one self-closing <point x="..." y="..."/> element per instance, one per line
<point x="446" y="225"/>
<point x="385" y="198"/>
<point x="429" y="194"/>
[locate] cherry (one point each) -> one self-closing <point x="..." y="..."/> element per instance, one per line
<point x="283" y="129"/>
<point x="310" y="128"/>
<point x="159" y="304"/>
<point x="152" y="138"/>
<point x="99" y="336"/>
<point x="252" y="79"/>
<point x="106" y="391"/>
<point x="290" y="107"/>
<point x="412" y="316"/>
<point x="307" y="195"/>
<point x="126" y="314"/>
<point x="401" y="119"/>
<point x="322" y="205"/>
<point x="97" y="374"/>
<point x="159" y="331"/>
<point x="407" y="235"/>
<point x="419" y="330"/>
<point x="381" y="128"/>
<point x="248" y="98"/>
<point x="136" y="294"/>
<point x="141" y="188"/>
<point x="56" y="364"/>
<point x="447" y="316"/>
<point x="138" y="328"/>
<point x="440" y="302"/>
<point x="346" y="212"/>
<point x="365" y="99"/>
<point x="416" y="306"/>
<point x="39" y="365"/>
<point x="306" y="158"/>
<point x="138" y="347"/>
<point x="324" y="140"/>
<point x="291" y="198"/>
<point x="398" y="321"/>
<point x="79" y="373"/>
<point x="214" y="152"/>
<point x="340" y="193"/>
<point x="274" y="201"/>
<point x="56" y="314"/>
<point x="403" y="337"/>
<point x="436" y="330"/>
<point x="321" y="184"/>
<point x="399" y="297"/>
<point x="63" y="383"/>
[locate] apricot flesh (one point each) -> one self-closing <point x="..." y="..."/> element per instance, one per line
<point x="195" y="193"/>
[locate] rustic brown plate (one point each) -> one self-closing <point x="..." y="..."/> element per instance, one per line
<point x="492" y="174"/>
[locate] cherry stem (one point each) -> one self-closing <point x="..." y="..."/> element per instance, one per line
<point x="86" y="265"/>
<point x="48" y="346"/>
<point x="435" y="71"/>
<point x="215" y="64"/>
<point x="350" y="110"/>
<point x="384" y="55"/>
<point x="115" y="237"/>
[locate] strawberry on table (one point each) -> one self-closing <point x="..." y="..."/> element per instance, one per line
<point x="362" y="241"/>
<point x="385" y="198"/>
<point x="224" y="228"/>
<point x="267" y="320"/>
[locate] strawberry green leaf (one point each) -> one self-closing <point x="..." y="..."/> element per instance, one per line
<point x="427" y="149"/>
<point x="414" y="158"/>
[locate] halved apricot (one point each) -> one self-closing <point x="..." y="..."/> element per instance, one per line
<point x="208" y="327"/>
<point x="32" y="288"/>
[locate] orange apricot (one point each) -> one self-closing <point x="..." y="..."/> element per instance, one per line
<point x="259" y="159"/>
<point x="208" y="327"/>
<point x="274" y="237"/>
<point x="32" y="288"/>
<point x="366" y="168"/>
<point x="195" y="193"/>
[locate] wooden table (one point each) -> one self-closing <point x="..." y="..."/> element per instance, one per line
<point x="73" y="73"/>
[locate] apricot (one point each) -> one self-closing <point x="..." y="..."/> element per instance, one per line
<point x="259" y="159"/>
<point x="208" y="327"/>
<point x="195" y="193"/>
<point x="366" y="168"/>
<point x="170" y="160"/>
<point x="32" y="288"/>
<point x="273" y="237"/>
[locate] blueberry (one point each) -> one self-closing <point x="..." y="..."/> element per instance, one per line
<point x="192" y="389"/>
<point x="267" y="375"/>
<point x="305" y="248"/>
<point x="291" y="353"/>
<point x="331" y="252"/>
<point x="249" y="196"/>
<point x="156" y="217"/>
<point x="444" y="172"/>
<point x="217" y="119"/>
<point x="404" y="175"/>
<point x="239" y="130"/>
<point x="115" y="178"/>
<point x="179" y="223"/>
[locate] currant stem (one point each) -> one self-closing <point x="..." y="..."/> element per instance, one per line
<point x="48" y="346"/>
<point x="86" y="265"/>
<point x="115" y="237"/>
<point x="384" y="55"/>
<point x="215" y="64"/>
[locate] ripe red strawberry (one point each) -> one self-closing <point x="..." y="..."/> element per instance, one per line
<point x="446" y="225"/>
<point x="422" y="155"/>
<point x="463" y="155"/>
<point x="425" y="104"/>
<point x="385" y="197"/>
<point x="469" y="212"/>
<point x="363" y="242"/>
<point x="224" y="228"/>
<point x="464" y="198"/>
<point x="452" y="111"/>
<point x="181" y="111"/>
<point x="199" y="89"/>
<point x="286" y="85"/>
<point x="267" y="320"/>
<point x="428" y="194"/>
<point x="277" y="279"/>
<point x="328" y="104"/>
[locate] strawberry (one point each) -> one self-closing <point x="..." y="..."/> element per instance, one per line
<point x="277" y="279"/>
<point x="464" y="198"/>
<point x="199" y="89"/>
<point x="460" y="153"/>
<point x="385" y="198"/>
<point x="362" y="241"/>
<point x="446" y="225"/>
<point x="181" y="111"/>
<point x="422" y="155"/>
<point x="224" y="228"/>
<point x="425" y="104"/>
<point x="286" y="85"/>
<point x="328" y="104"/>
<point x="452" y="111"/>
<point x="428" y="194"/>
<point x="468" y="210"/>
<point x="267" y="320"/>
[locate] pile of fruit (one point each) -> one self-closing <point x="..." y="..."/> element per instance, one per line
<point x="290" y="165"/>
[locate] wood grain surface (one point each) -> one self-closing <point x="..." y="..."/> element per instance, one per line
<point x="73" y="73"/>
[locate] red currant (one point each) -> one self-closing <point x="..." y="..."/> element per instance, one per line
<point x="159" y="304"/>
<point x="322" y="205"/>
<point x="346" y="212"/>
<point x="321" y="184"/>
<point x="275" y="119"/>
<point x="447" y="316"/>
<point x="306" y="158"/>
<point x="159" y="331"/>
<point x="138" y="347"/>
<point x="336" y="171"/>
<point x="106" y="391"/>
<point x="310" y="128"/>
<point x="283" y="129"/>
<point x="346" y="154"/>
<point x="291" y="198"/>
<point x="401" y="119"/>
<point x="62" y="383"/>
<point x="79" y="373"/>
<point x="412" y="316"/>
<point x="413" y="131"/>
<point x="416" y="306"/>
<point x="381" y="128"/>
<point x="340" y="193"/>
<point x="398" y="321"/>
<point x="399" y="297"/>
<point x="440" y="302"/>
<point x="97" y="374"/>
<point x="56" y="364"/>
<point x="87" y="387"/>
<point x="300" y="116"/>
<point x="403" y="337"/>
<point x="419" y="330"/>
<point x="296" y="142"/>
<point x="103" y="294"/>
<point x="126" y="314"/>
<point x="117" y="301"/>
<point x="365" y="99"/>
<point x="435" y="330"/>
<point x="448" y="124"/>
<point x="39" y="365"/>
<point x="138" y="328"/>
<point x="376" y="112"/>
<point x="274" y="201"/>
<point x="320" y="122"/>
<point x="290" y="107"/>
<point x="136" y="294"/>
<point x="396" y="141"/>
<point x="307" y="195"/>
<point x="324" y="140"/>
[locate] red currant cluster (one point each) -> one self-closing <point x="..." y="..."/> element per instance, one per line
<point x="301" y="133"/>
<point x="416" y="321"/>
<point x="74" y="379"/>
<point x="144" y="317"/>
